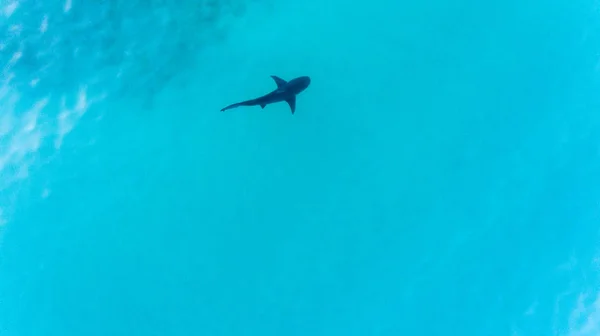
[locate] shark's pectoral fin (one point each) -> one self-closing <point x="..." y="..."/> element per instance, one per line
<point x="263" y="105"/>
<point x="280" y="82"/>
<point x="292" y="103"/>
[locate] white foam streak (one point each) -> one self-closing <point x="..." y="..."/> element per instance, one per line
<point x="68" y="117"/>
<point x="585" y="319"/>
<point x="20" y="136"/>
<point x="68" y="5"/>
<point x="25" y="124"/>
<point x="15" y="57"/>
<point x="44" y="24"/>
<point x="11" y="8"/>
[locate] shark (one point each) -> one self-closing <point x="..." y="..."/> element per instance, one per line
<point x="286" y="92"/>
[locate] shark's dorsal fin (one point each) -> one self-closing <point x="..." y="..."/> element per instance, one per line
<point x="292" y="103"/>
<point x="280" y="82"/>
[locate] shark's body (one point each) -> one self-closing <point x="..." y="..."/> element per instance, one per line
<point x="286" y="91"/>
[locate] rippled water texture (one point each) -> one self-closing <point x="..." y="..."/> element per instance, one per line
<point x="440" y="175"/>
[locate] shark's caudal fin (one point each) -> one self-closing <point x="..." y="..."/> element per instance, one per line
<point x="230" y="107"/>
<point x="280" y="82"/>
<point x="244" y="103"/>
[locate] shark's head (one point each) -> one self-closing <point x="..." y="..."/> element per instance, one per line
<point x="304" y="81"/>
<point x="300" y="84"/>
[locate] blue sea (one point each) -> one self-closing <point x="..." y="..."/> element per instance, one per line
<point x="440" y="176"/>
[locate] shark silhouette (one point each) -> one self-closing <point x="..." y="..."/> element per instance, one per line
<point x="286" y="91"/>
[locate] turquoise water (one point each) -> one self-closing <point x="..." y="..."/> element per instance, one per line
<point x="441" y="175"/>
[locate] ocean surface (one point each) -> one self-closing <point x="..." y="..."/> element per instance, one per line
<point x="441" y="174"/>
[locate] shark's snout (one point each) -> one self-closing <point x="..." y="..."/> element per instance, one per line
<point x="305" y="80"/>
<point x="301" y="83"/>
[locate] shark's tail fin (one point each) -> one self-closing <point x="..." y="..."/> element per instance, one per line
<point x="244" y="103"/>
<point x="230" y="107"/>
